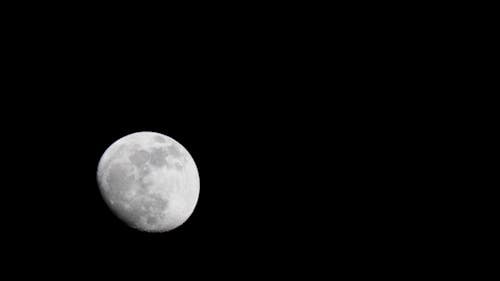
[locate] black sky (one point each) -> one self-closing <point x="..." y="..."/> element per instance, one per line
<point x="293" y="144"/>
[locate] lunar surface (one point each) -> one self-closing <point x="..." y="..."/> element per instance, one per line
<point x="149" y="180"/>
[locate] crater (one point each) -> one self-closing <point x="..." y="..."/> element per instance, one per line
<point x="178" y="166"/>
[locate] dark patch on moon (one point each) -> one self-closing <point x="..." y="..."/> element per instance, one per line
<point x="158" y="157"/>
<point x="139" y="158"/>
<point x="159" y="139"/>
<point x="174" y="151"/>
<point x="151" y="220"/>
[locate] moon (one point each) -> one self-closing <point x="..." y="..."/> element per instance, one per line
<point x="149" y="181"/>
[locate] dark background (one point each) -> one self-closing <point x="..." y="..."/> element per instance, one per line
<point x="302" y="135"/>
<point x="283" y="171"/>
<point x="254" y="137"/>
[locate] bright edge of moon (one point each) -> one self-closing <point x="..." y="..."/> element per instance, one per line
<point x="149" y="180"/>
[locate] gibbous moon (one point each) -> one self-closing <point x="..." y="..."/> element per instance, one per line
<point x="149" y="180"/>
